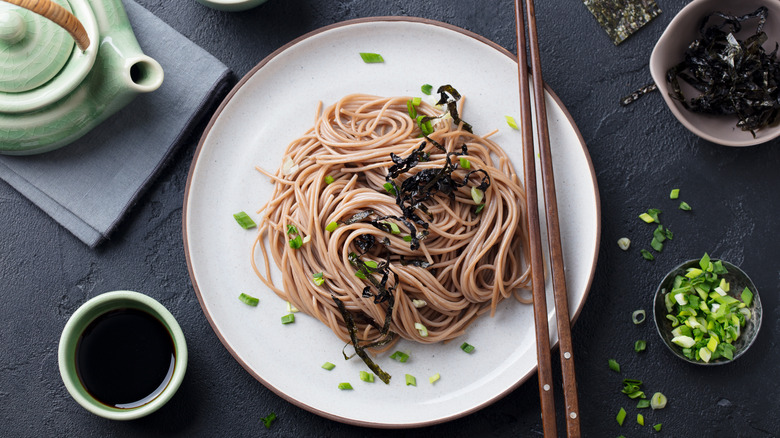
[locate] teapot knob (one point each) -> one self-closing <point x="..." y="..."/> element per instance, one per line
<point x="12" y="27"/>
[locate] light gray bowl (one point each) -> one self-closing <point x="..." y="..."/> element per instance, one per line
<point x="670" y="49"/>
<point x="738" y="280"/>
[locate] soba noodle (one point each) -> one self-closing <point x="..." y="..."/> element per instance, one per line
<point x="476" y="258"/>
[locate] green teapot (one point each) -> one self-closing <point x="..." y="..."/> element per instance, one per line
<point x="65" y="66"/>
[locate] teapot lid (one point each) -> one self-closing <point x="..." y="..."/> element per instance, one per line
<point x="33" y="49"/>
<point x="39" y="62"/>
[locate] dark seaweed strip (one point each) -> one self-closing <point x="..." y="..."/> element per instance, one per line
<point x="359" y="350"/>
<point x="621" y="18"/>
<point x="633" y="97"/>
<point x="449" y="96"/>
<point x="733" y="77"/>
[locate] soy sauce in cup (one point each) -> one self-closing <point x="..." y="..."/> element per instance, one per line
<point x="122" y="355"/>
<point x="125" y="358"/>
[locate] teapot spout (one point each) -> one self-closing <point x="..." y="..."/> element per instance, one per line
<point x="143" y="74"/>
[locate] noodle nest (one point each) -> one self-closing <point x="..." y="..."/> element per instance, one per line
<point x="476" y="258"/>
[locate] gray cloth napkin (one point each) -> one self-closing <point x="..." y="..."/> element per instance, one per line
<point x="87" y="186"/>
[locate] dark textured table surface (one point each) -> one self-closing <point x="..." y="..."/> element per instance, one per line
<point x="639" y="153"/>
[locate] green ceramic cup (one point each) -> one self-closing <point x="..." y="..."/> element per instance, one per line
<point x="81" y="319"/>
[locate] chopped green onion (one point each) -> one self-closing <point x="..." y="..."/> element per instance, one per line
<point x="421" y="329"/>
<point x="268" y="419"/>
<point x="411" y="380"/>
<point x="654" y="212"/>
<point x="646" y="254"/>
<point x="468" y="348"/>
<point x="479" y="208"/>
<point x="291" y="308"/>
<point x="684" y="206"/>
<point x="411" y="109"/>
<point x="400" y="356"/>
<point x="366" y="377"/>
<point x="288" y="319"/>
<point x="640" y="419"/>
<point x="638" y="317"/>
<point x="640" y="345"/>
<point x="361" y="275"/>
<point x="426" y="89"/>
<point x="674" y="194"/>
<point x="658" y="401"/>
<point x="390" y="189"/>
<point x="419" y="303"/>
<point x="328" y="366"/>
<point x="407" y="238"/>
<point x="434" y="378"/>
<point x="747" y="296"/>
<point x="657" y="427"/>
<point x="371" y="58"/>
<point x="244" y="220"/>
<point x="624" y="243"/>
<point x="658" y="246"/>
<point x="318" y="279"/>
<point x="296" y="242"/>
<point x="643" y="403"/>
<point x="416" y="101"/>
<point x="511" y="122"/>
<point x="621" y="416"/>
<point x="465" y="163"/>
<point x="477" y="195"/>
<point x="614" y="366"/>
<point x="329" y="179"/>
<point x="248" y="299"/>
<point x="331" y="227"/>
<point x="292" y="229"/>
<point x="394" y="229"/>
<point x="370" y="264"/>
<point x="345" y="386"/>
<point x="646" y="217"/>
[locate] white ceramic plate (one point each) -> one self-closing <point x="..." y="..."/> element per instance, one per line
<point x="275" y="103"/>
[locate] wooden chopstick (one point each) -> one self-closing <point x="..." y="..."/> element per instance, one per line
<point x="553" y="234"/>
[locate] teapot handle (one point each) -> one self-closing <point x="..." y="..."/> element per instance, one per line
<point x="58" y="15"/>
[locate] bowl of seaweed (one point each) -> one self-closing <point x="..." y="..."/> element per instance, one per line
<point x="717" y="67"/>
<point x="707" y="311"/>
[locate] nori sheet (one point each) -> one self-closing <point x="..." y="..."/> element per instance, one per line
<point x="621" y="18"/>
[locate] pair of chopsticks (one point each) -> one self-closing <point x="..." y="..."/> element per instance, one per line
<point x="553" y="234"/>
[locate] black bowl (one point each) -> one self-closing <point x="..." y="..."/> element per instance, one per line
<point x="738" y="280"/>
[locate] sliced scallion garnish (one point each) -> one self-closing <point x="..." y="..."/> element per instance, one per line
<point x="646" y="254"/>
<point x="657" y="427"/>
<point x="465" y="163"/>
<point x="477" y="195"/>
<point x="400" y="356"/>
<point x="643" y="403"/>
<point x="638" y="317"/>
<point x="371" y="58"/>
<point x="268" y="419"/>
<point x="421" y="329"/>
<point x="296" y="242"/>
<point x="345" y="386"/>
<point x="511" y="122"/>
<point x="329" y="179"/>
<point x="613" y="365"/>
<point x="434" y="378"/>
<point x="288" y="319"/>
<point x="366" y="377"/>
<point x="328" y="366"/>
<point x="684" y="206"/>
<point x="640" y="345"/>
<point x="244" y="220"/>
<point x="411" y="380"/>
<point x="318" y="278"/>
<point x="624" y="243"/>
<point x="621" y="416"/>
<point x="674" y="194"/>
<point x="658" y="401"/>
<point x="331" y="227"/>
<point x="248" y="299"/>
<point x="426" y="89"/>
<point x="468" y="348"/>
